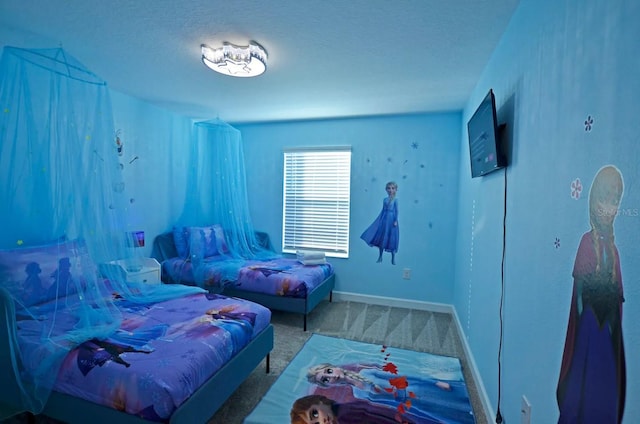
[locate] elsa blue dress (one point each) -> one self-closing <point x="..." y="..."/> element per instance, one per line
<point x="382" y="233"/>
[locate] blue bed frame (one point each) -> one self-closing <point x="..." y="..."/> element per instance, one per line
<point x="289" y="304"/>
<point x="164" y="248"/>
<point x="199" y="408"/>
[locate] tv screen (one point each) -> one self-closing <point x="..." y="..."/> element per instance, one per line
<point x="484" y="143"/>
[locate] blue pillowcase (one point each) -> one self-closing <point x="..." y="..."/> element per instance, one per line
<point x="204" y="241"/>
<point x="221" y="242"/>
<point x="181" y="238"/>
<point x="38" y="274"/>
<point x="199" y="241"/>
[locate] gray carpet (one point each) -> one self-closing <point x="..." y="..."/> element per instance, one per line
<point x="411" y="329"/>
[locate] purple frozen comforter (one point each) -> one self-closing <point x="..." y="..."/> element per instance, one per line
<point x="160" y="355"/>
<point x="280" y="276"/>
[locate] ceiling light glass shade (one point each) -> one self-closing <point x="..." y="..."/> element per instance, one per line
<point x="237" y="61"/>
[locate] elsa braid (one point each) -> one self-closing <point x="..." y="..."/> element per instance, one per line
<point x="608" y="246"/>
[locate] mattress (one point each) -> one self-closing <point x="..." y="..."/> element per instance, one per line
<point x="159" y="356"/>
<point x="280" y="276"/>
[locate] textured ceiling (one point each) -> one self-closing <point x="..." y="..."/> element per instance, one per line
<point x="328" y="58"/>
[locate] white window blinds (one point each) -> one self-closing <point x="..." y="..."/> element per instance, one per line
<point x="316" y="200"/>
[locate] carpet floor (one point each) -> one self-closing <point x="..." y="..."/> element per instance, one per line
<point x="411" y="329"/>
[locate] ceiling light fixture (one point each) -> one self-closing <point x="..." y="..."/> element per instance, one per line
<point x="237" y="61"/>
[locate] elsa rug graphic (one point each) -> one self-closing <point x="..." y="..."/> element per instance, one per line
<point x="340" y="381"/>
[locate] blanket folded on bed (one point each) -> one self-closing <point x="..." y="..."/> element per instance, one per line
<point x="307" y="257"/>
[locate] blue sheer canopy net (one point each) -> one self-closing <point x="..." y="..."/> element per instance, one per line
<point x="217" y="195"/>
<point x="62" y="203"/>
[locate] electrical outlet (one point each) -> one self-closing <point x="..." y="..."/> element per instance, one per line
<point x="406" y="273"/>
<point x="525" y="411"/>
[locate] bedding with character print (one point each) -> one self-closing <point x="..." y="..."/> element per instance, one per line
<point x="280" y="276"/>
<point x="159" y="356"/>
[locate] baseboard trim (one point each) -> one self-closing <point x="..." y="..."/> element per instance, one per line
<point x="482" y="392"/>
<point x="392" y="301"/>
<point x="433" y="307"/>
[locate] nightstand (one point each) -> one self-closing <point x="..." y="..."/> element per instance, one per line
<point x="139" y="270"/>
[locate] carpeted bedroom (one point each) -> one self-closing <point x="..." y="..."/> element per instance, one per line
<point x="324" y="212"/>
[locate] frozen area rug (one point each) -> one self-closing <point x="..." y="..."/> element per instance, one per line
<point x="339" y="381"/>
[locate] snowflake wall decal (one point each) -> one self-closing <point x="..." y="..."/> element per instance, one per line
<point x="556" y="243"/>
<point x="588" y="123"/>
<point x="576" y="188"/>
<point x="414" y="145"/>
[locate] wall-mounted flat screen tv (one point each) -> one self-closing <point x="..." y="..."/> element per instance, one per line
<point x="484" y="139"/>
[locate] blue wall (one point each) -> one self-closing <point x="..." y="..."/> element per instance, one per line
<point x="566" y="79"/>
<point x="154" y="161"/>
<point x="419" y="152"/>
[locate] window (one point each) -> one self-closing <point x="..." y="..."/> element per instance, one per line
<point x="316" y="200"/>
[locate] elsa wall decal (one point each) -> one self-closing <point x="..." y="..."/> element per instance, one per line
<point x="384" y="232"/>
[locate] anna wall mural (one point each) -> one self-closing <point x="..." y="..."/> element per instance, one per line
<point x="592" y="382"/>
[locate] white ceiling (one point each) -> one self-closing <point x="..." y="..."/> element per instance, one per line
<point x="327" y="58"/>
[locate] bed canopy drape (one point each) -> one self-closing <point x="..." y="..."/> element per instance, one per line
<point x="217" y="195"/>
<point x="61" y="192"/>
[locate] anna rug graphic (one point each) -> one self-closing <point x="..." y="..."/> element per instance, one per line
<point x="338" y="381"/>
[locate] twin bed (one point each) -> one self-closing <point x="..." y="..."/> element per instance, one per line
<point x="279" y="283"/>
<point x="173" y="378"/>
<point x="174" y="360"/>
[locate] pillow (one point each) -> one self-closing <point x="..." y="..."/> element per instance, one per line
<point x="203" y="241"/>
<point x="204" y="237"/>
<point x="41" y="273"/>
<point x="221" y="242"/>
<point x="181" y="240"/>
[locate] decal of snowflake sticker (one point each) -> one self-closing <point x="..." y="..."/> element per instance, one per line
<point x="588" y="123"/>
<point x="556" y="243"/>
<point x="414" y="145"/>
<point x="576" y="188"/>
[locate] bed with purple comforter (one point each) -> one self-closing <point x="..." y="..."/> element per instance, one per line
<point x="280" y="276"/>
<point x="280" y="283"/>
<point x="160" y="356"/>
